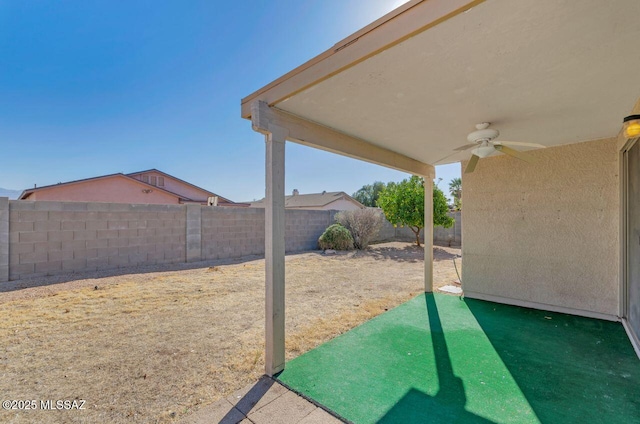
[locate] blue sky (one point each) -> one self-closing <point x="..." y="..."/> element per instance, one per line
<point x="90" y="88"/>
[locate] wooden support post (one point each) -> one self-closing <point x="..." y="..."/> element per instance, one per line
<point x="428" y="235"/>
<point x="274" y="250"/>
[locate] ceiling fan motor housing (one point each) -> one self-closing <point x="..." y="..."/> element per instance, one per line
<point x="479" y="136"/>
<point x="483" y="151"/>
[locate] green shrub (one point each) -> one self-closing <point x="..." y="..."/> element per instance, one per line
<point x="336" y="237"/>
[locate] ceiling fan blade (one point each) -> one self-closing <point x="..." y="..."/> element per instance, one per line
<point x="520" y="143"/>
<point x="465" y="147"/>
<point x="512" y="152"/>
<point x="472" y="164"/>
<point x="445" y="158"/>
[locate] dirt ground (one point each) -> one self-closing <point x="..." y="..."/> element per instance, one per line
<point x="153" y="345"/>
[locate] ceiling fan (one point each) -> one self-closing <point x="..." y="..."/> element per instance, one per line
<point x="483" y="141"/>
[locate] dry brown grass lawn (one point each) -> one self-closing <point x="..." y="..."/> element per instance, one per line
<point x="151" y="347"/>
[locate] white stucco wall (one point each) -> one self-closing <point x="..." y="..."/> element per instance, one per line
<point x="342" y="205"/>
<point x="545" y="235"/>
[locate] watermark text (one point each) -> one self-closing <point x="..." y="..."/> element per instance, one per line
<point x="44" y="405"/>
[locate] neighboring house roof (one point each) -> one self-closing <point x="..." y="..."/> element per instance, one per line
<point x="28" y="192"/>
<point x="223" y="199"/>
<point x="312" y="200"/>
<point x="129" y="179"/>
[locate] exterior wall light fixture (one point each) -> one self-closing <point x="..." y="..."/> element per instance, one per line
<point x="631" y="126"/>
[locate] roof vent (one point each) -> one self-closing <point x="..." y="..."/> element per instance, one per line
<point x="324" y="191"/>
<point x="295" y="192"/>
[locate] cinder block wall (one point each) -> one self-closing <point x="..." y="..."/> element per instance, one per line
<point x="387" y="232"/>
<point x="48" y="238"/>
<point x="304" y="227"/>
<point x="451" y="236"/>
<point x="39" y="238"/>
<point x="4" y="239"/>
<point x="232" y="232"/>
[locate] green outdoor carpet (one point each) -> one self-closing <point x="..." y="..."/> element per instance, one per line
<point x="441" y="359"/>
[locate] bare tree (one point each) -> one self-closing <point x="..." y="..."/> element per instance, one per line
<point x="363" y="224"/>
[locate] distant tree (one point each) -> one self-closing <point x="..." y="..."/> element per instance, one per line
<point x="403" y="204"/>
<point x="368" y="194"/>
<point x="455" y="188"/>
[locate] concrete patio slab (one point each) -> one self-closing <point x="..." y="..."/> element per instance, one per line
<point x="320" y="416"/>
<point x="264" y="402"/>
<point x="220" y="412"/>
<point x="255" y="396"/>
<point x="289" y="408"/>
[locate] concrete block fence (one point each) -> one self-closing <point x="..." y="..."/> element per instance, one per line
<point x="46" y="238"/>
<point x="451" y="236"/>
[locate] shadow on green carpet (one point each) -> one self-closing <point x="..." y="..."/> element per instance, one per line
<point x="571" y="369"/>
<point x="440" y="359"/>
<point x="448" y="405"/>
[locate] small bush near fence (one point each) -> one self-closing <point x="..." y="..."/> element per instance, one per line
<point x="336" y="237"/>
<point x="363" y="224"/>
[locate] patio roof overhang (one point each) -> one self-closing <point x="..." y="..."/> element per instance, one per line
<point x="417" y="80"/>
<point x="405" y="91"/>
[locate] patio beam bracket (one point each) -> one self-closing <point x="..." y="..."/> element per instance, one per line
<point x="309" y="133"/>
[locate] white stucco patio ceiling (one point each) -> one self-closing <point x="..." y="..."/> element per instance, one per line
<point x="418" y="80"/>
